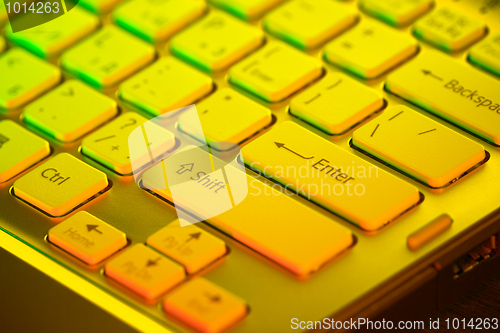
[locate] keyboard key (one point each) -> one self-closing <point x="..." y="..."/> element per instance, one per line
<point x="88" y="238"/>
<point x="453" y="91"/>
<point x="216" y="41"/>
<point x="306" y="247"/>
<point x="221" y="129"/>
<point x="166" y="85"/>
<point x="246" y="9"/>
<point x="99" y="6"/>
<point x="370" y="49"/>
<point x="60" y="184"/>
<point x="396" y="12"/>
<point x="337" y="180"/>
<point x="24" y="77"/>
<point x="449" y="29"/>
<point x="19" y="149"/>
<point x="70" y="111"/>
<point x="205" y="306"/>
<point x="145" y="271"/>
<point x="275" y="72"/>
<point x="336" y="104"/>
<point x="53" y="37"/>
<point x="487" y="54"/>
<point x="148" y="143"/>
<point x="157" y="20"/>
<point x="189" y="245"/>
<point x="419" y="146"/>
<point x="109" y="145"/>
<point x="307" y="23"/>
<point x="100" y="59"/>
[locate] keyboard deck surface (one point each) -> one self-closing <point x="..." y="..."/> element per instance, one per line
<point x="273" y="294"/>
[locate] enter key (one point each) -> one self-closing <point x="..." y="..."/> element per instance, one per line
<point x="310" y="166"/>
<point x="452" y="91"/>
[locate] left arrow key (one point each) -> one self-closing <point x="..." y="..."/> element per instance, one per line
<point x="87" y="238"/>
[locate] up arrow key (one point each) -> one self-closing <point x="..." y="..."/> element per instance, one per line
<point x="194" y="236"/>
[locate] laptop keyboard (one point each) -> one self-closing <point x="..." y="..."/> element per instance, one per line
<point x="72" y="91"/>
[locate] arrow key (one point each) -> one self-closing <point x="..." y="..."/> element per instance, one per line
<point x="144" y="271"/>
<point x="87" y="238"/>
<point x="205" y="306"/>
<point x="191" y="246"/>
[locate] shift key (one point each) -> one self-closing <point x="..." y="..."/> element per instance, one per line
<point x="333" y="178"/>
<point x="267" y="220"/>
<point x="452" y="91"/>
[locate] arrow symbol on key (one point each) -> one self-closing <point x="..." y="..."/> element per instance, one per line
<point x="152" y="262"/>
<point x="91" y="227"/>
<point x="282" y="145"/>
<point x="194" y="236"/>
<point x="429" y="73"/>
<point x="185" y="167"/>
<point x="213" y="298"/>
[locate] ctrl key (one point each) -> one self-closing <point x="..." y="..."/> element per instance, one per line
<point x="60" y="184"/>
<point x="87" y="238"/>
<point x="205" y="306"/>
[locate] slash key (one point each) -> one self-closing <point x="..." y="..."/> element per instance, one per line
<point x="421" y="147"/>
